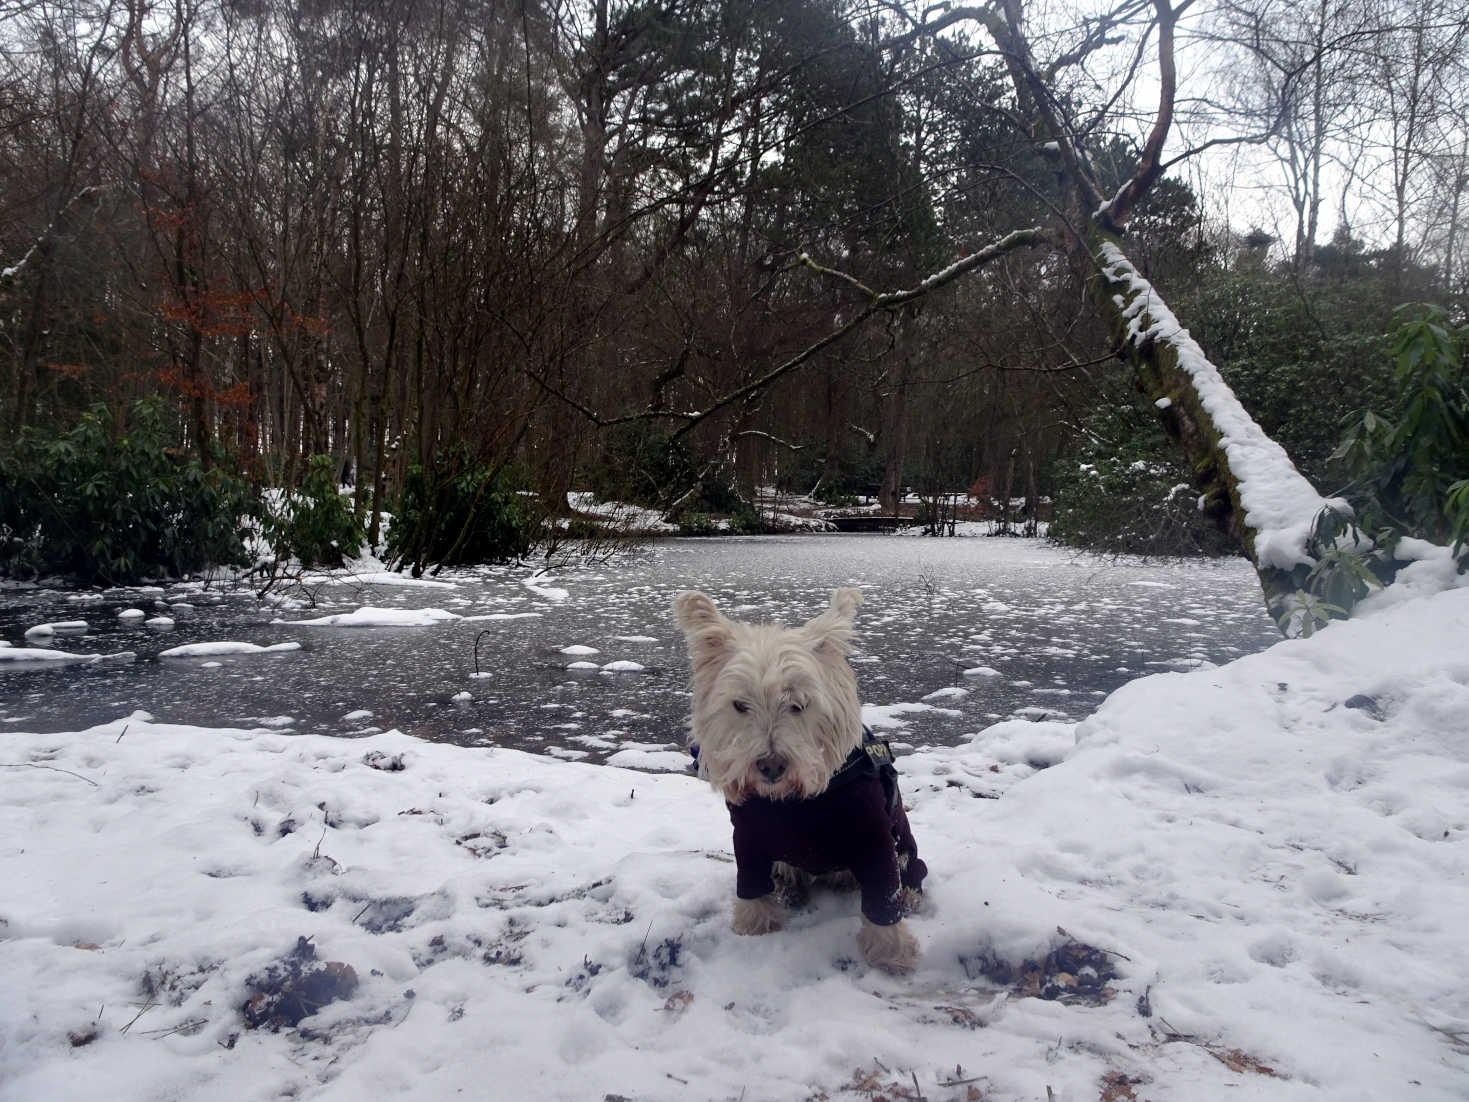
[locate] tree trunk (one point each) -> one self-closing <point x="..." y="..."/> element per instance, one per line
<point x="895" y="436"/>
<point x="1246" y="480"/>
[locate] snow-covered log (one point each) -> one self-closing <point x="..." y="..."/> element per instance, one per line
<point x="1245" y="478"/>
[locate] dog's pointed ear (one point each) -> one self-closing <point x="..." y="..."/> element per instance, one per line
<point x="833" y="628"/>
<point x="707" y="631"/>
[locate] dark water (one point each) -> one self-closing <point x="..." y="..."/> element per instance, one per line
<point x="1058" y="630"/>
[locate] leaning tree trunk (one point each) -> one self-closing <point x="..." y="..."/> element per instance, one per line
<point x="1246" y="481"/>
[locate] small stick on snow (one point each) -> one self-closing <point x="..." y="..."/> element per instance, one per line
<point x="53" y="768"/>
<point x="192" y="1023"/>
<point x="147" y="1006"/>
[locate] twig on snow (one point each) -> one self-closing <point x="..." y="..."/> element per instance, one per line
<point x="1459" y="1039"/>
<point x="53" y="768"/>
<point x="191" y="1023"/>
<point x="147" y="1006"/>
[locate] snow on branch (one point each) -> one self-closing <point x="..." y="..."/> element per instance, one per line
<point x="1035" y="235"/>
<point x="14" y="271"/>
<point x="763" y="435"/>
<point x="1280" y="505"/>
<point x="876" y="303"/>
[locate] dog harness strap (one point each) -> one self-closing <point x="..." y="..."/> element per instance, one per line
<point x="854" y="767"/>
<point x="874" y="758"/>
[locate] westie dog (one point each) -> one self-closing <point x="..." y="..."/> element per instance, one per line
<point x="777" y="730"/>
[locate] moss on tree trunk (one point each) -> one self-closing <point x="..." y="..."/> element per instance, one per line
<point x="1161" y="376"/>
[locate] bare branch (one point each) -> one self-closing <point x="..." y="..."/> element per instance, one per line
<point x="763" y="435"/>
<point x="877" y="303"/>
<point x="1150" y="166"/>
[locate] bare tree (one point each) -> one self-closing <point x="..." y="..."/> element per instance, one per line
<point x="1300" y="92"/>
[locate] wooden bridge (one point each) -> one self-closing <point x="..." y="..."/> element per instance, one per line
<point x="869" y="522"/>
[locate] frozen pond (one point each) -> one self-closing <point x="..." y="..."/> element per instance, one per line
<point x="954" y="634"/>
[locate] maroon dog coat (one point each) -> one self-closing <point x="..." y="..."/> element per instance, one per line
<point x="858" y="823"/>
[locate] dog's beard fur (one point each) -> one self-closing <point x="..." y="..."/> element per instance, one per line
<point x="764" y="693"/>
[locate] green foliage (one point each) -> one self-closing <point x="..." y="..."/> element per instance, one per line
<point x="1408" y="467"/>
<point x="835" y="497"/>
<point x="1306" y="613"/>
<point x="1300" y="348"/>
<point x="1127" y="490"/>
<point x="847" y="181"/>
<point x="314" y="523"/>
<point x="112" y="508"/>
<point x="1410" y="473"/>
<point x="856" y="471"/>
<point x="457" y="512"/>
<point x="744" y="520"/>
<point x="1347" y="568"/>
<point x="697" y="524"/>
<point x="642" y="465"/>
<point x="1456" y="510"/>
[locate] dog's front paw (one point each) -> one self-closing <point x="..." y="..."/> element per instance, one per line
<point x="891" y="948"/>
<point x="757" y="916"/>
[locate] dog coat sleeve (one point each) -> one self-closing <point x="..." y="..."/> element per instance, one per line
<point x="754" y="862"/>
<point x="875" y="862"/>
<point x="913" y="868"/>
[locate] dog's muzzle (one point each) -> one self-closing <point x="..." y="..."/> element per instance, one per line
<point x="772" y="767"/>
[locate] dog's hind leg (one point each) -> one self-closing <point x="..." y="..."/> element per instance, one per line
<point x="843" y="880"/>
<point x="792" y="885"/>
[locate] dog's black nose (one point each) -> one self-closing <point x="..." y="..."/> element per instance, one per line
<point x="772" y="768"/>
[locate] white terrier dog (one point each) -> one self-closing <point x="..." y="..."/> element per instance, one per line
<point x="777" y="730"/>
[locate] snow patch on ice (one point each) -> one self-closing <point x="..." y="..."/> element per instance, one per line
<point x="372" y="617"/>
<point x="60" y="627"/>
<point x="198" y="650"/>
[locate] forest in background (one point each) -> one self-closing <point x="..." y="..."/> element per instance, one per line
<point x="462" y="248"/>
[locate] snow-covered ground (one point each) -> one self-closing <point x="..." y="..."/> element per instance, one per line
<point x="1243" y="882"/>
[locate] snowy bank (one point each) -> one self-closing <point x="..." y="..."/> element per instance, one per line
<point x="1244" y="882"/>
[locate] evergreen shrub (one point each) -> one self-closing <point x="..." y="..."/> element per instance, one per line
<point x="1409" y="465"/>
<point x="459" y="511"/>
<point x="314" y="523"/>
<point x="1408" y="468"/>
<point x="113" y="507"/>
<point x="641" y="465"/>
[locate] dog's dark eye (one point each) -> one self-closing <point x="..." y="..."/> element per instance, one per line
<point x="740" y="706"/>
<point x="796" y="707"/>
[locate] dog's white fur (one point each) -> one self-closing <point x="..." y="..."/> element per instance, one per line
<point x="775" y="714"/>
<point x="764" y="691"/>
